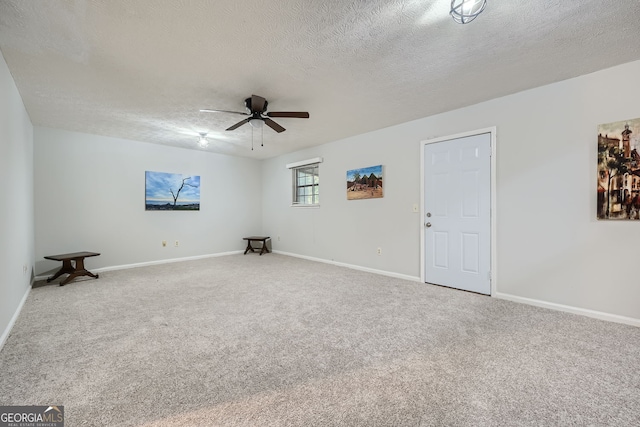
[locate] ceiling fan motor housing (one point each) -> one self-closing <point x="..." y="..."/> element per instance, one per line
<point x="247" y="103"/>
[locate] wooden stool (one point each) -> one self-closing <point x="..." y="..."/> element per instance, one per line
<point x="256" y="239"/>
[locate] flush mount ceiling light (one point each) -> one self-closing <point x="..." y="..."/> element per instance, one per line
<point x="202" y="140"/>
<point x="465" y="11"/>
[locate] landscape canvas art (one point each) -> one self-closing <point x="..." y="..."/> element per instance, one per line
<point x="618" y="186"/>
<point x="171" y="192"/>
<point x="365" y="183"/>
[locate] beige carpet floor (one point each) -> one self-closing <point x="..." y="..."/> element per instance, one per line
<point x="278" y="341"/>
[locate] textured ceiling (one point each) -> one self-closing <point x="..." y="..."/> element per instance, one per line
<point x="142" y="69"/>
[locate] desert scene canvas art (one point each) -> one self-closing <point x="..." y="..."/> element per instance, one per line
<point x="365" y="183"/>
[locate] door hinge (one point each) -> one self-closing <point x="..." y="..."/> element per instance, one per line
<point x="489" y="275"/>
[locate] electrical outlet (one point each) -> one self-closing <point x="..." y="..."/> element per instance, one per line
<point x="164" y="243"/>
<point x="177" y="244"/>
<point x="24" y="269"/>
<point x="278" y="238"/>
<point x="379" y="251"/>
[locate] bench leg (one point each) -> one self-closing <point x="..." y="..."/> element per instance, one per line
<point x="265" y="249"/>
<point x="249" y="247"/>
<point x="79" y="271"/>
<point x="74" y="272"/>
<point x="66" y="268"/>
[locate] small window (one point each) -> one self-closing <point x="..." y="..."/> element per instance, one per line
<point x="306" y="182"/>
<point x="306" y="185"/>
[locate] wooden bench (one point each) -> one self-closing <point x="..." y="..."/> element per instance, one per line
<point x="262" y="239"/>
<point x="74" y="269"/>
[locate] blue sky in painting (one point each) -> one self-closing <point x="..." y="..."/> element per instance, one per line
<point x="158" y="185"/>
<point x="377" y="171"/>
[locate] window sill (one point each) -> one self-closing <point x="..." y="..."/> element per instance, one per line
<point x="305" y="206"/>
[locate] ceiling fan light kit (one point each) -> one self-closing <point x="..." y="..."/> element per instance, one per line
<point x="258" y="115"/>
<point x="465" y="11"/>
<point x="258" y="124"/>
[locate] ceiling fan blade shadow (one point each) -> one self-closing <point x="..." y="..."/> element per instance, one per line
<point x="273" y="125"/>
<point x="258" y="103"/>
<point x="240" y="123"/>
<point x="294" y="114"/>
<point x="206" y="110"/>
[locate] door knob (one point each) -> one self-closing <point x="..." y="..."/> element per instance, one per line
<point x="428" y="225"/>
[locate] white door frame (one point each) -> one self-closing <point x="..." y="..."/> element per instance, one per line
<point x="492" y="131"/>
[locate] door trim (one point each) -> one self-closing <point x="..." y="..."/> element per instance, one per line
<point x="492" y="131"/>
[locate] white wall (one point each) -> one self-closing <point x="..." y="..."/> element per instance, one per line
<point x="89" y="195"/>
<point x="351" y="231"/>
<point x="550" y="247"/>
<point x="16" y="204"/>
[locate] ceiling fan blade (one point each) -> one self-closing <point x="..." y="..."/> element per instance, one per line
<point x="273" y="125"/>
<point x="240" y="123"/>
<point x="206" y="110"/>
<point x="257" y="103"/>
<point x="296" y="114"/>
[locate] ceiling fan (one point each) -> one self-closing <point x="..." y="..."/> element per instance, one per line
<point x="257" y="112"/>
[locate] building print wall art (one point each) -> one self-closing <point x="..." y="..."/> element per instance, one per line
<point x="171" y="192"/>
<point x="365" y="183"/>
<point x="619" y="170"/>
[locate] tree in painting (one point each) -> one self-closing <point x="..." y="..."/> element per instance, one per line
<point x="356" y="181"/>
<point x="177" y="193"/>
<point x="614" y="165"/>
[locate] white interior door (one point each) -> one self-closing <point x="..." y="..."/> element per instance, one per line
<point x="457" y="206"/>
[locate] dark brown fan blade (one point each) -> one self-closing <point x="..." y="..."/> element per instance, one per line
<point x="296" y="114"/>
<point x="206" y="110"/>
<point x="257" y="103"/>
<point x="273" y="125"/>
<point x="240" y="123"/>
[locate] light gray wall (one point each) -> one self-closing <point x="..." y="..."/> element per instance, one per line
<point x="16" y="204"/>
<point x="351" y="231"/>
<point x="90" y="193"/>
<point x="550" y="247"/>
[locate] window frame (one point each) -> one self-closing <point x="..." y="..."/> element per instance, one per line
<point x="311" y="169"/>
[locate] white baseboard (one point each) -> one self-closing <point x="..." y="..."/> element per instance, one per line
<point x="569" y="309"/>
<point x="353" y="267"/>
<point x="538" y="303"/>
<point x="148" y="263"/>
<point x="7" y="330"/>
